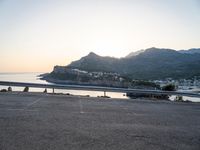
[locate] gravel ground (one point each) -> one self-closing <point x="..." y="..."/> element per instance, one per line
<point x="32" y="121"/>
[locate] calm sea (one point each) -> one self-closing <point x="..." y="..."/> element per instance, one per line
<point x="33" y="78"/>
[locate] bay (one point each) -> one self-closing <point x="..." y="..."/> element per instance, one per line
<point x="34" y="78"/>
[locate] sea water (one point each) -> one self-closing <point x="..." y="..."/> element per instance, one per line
<point x="34" y="78"/>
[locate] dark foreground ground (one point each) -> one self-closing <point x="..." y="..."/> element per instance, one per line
<point x="50" y="122"/>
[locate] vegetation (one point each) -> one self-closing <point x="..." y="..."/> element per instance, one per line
<point x="143" y="83"/>
<point x="9" y="89"/>
<point x="26" y="89"/>
<point x="179" y="99"/>
<point x="71" y="76"/>
<point x="146" y="95"/>
<point x="143" y="66"/>
<point x="151" y="64"/>
<point x="45" y="91"/>
<point x="169" y="87"/>
<point x="3" y="90"/>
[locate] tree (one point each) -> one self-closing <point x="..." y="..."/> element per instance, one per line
<point x="169" y="87"/>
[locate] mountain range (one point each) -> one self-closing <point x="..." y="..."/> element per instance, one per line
<point x="149" y="64"/>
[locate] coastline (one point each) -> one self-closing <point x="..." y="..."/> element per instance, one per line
<point x="33" y="78"/>
<point x="70" y="82"/>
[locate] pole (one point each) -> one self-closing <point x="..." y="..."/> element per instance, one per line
<point x="104" y="93"/>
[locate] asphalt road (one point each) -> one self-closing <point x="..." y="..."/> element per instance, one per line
<point x="54" y="122"/>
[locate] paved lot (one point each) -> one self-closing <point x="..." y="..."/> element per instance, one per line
<point x="50" y="122"/>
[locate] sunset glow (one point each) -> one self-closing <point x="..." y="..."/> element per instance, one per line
<point x="35" y="35"/>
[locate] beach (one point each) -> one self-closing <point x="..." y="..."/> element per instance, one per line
<point x="47" y="121"/>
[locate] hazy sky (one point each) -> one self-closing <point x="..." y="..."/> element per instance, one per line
<point x="35" y="35"/>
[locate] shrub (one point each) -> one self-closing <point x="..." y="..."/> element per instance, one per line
<point x="169" y="87"/>
<point x="9" y="89"/>
<point x="179" y="99"/>
<point x="45" y="91"/>
<point x="145" y="83"/>
<point x="26" y="89"/>
<point x="3" y="90"/>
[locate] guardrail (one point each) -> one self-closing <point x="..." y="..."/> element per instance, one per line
<point x="96" y="88"/>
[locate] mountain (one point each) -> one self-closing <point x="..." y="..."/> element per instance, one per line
<point x="191" y="51"/>
<point x="94" y="62"/>
<point x="156" y="63"/>
<point x="152" y="63"/>
<point x="134" y="53"/>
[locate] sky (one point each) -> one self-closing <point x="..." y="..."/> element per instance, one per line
<point x="36" y="35"/>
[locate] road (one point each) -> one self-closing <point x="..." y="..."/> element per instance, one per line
<point x="32" y="121"/>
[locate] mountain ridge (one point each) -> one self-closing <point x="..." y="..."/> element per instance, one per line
<point x="191" y="51"/>
<point x="152" y="63"/>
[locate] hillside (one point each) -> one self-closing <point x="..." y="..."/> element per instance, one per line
<point x="191" y="51"/>
<point x="152" y="63"/>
